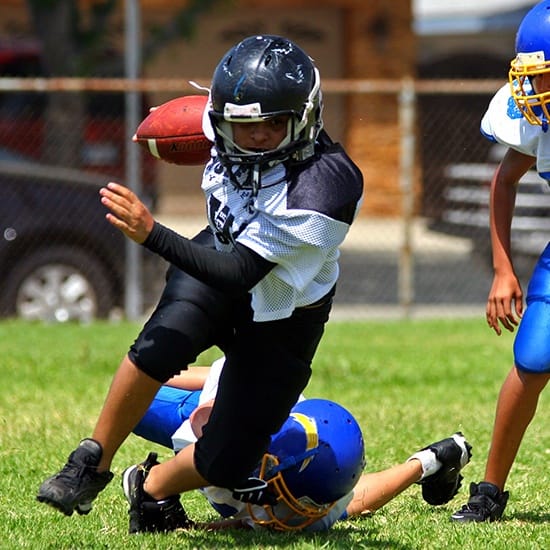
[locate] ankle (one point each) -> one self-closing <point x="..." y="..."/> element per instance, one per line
<point x="491" y="486"/>
<point x="103" y="465"/>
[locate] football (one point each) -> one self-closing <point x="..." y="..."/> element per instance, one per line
<point x="173" y="131"/>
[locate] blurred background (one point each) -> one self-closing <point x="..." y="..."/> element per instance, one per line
<point x="405" y="86"/>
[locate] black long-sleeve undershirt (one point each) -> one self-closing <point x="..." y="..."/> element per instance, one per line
<point x="235" y="271"/>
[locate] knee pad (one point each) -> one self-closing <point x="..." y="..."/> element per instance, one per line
<point x="189" y="319"/>
<point x="532" y="342"/>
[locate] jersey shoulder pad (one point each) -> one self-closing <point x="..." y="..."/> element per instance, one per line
<point x="331" y="183"/>
<point x="504" y="123"/>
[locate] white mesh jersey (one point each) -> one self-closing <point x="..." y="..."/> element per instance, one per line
<point x="504" y="123"/>
<point x="297" y="220"/>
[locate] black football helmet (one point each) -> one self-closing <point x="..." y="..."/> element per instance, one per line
<point x="260" y="78"/>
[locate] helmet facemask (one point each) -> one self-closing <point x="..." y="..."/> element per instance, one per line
<point x="289" y="513"/>
<point x="523" y="69"/>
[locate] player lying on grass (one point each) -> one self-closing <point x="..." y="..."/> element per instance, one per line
<point x="310" y="477"/>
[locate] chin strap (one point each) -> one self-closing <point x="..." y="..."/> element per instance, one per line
<point x="289" y="462"/>
<point x="304" y="153"/>
<point x="256" y="177"/>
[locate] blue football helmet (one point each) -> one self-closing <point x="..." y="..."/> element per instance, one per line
<point x="315" y="459"/>
<point x="260" y="78"/>
<point x="532" y="59"/>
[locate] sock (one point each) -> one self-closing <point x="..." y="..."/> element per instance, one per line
<point x="430" y="464"/>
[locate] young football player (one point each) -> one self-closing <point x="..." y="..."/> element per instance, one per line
<point x="517" y="117"/>
<point x="312" y="471"/>
<point x="258" y="283"/>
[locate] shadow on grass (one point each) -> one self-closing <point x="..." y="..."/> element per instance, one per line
<point x="344" y="535"/>
<point x="535" y="516"/>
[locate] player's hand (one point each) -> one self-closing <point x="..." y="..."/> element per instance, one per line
<point x="128" y="213"/>
<point x="505" y="303"/>
<point x="255" y="491"/>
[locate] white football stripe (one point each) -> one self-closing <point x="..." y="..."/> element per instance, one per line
<point x="153" y="147"/>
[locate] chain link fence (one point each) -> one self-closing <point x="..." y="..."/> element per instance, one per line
<point x="61" y="260"/>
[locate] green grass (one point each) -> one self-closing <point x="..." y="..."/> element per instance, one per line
<point x="407" y="382"/>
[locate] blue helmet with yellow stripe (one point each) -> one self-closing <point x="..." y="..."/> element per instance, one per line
<point x="315" y="459"/>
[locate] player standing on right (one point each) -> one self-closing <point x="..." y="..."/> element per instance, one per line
<point x="518" y="117"/>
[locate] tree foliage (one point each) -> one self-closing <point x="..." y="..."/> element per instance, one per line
<point x="77" y="38"/>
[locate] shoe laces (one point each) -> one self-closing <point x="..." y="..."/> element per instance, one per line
<point x="74" y="468"/>
<point x="481" y="503"/>
<point x="174" y="515"/>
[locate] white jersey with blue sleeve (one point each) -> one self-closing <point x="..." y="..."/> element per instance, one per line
<point x="504" y="123"/>
<point x="184" y="435"/>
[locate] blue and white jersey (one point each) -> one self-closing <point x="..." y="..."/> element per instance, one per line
<point x="297" y="220"/>
<point x="185" y="435"/>
<point x="504" y="123"/>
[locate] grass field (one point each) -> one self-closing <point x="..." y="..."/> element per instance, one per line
<point x="407" y="382"/>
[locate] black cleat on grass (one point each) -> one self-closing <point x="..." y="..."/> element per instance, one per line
<point x="486" y="503"/>
<point x="78" y="483"/>
<point x="148" y="515"/>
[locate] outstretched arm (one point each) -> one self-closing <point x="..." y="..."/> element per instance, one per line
<point x="374" y="490"/>
<point x="127" y="212"/>
<point x="235" y="271"/>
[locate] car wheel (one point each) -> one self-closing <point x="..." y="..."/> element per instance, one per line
<point x="58" y="284"/>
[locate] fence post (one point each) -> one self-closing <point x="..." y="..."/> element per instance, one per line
<point x="133" y="296"/>
<point x="406" y="181"/>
